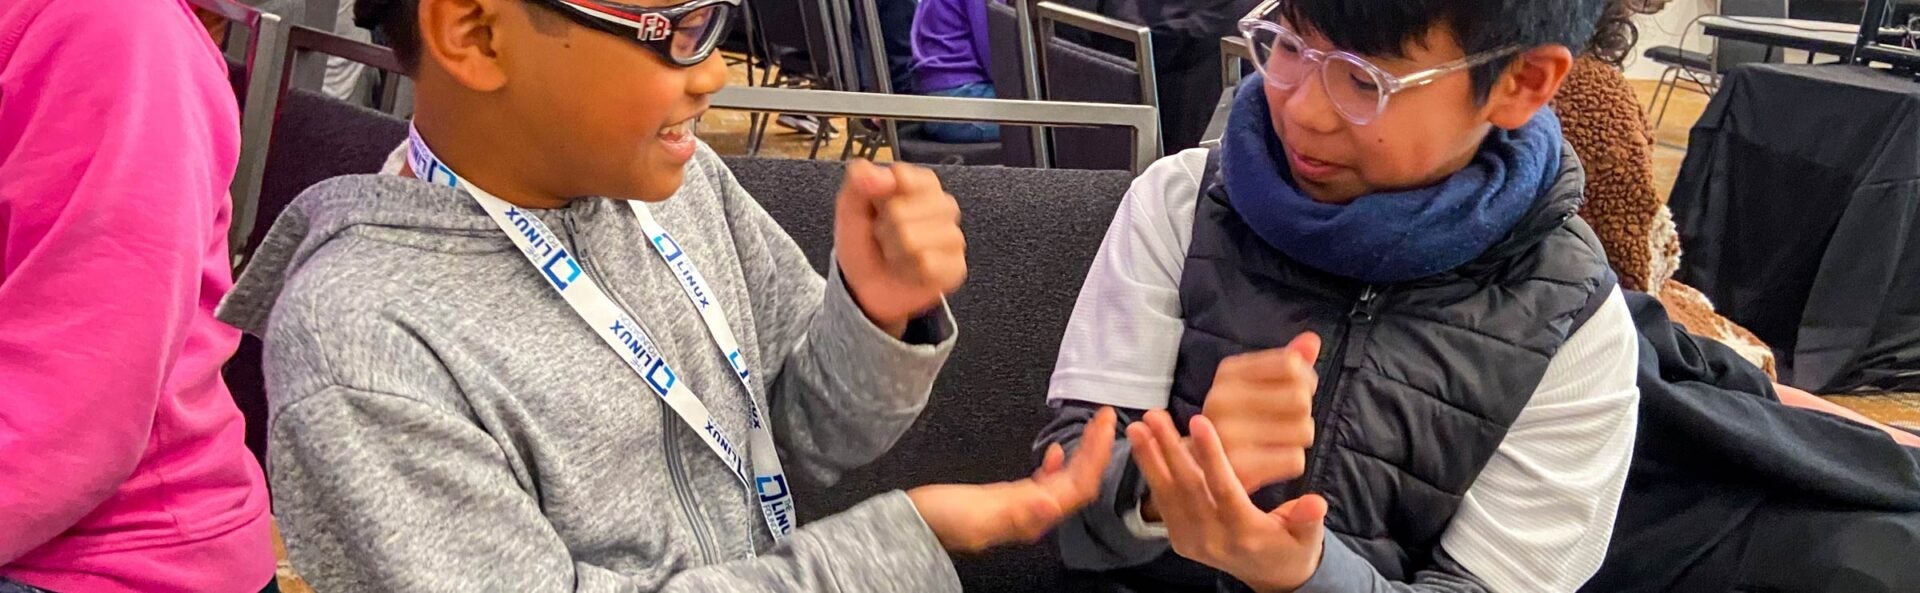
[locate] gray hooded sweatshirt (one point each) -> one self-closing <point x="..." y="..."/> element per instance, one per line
<point x="441" y="420"/>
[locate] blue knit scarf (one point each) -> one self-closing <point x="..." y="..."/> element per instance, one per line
<point x="1386" y="237"/>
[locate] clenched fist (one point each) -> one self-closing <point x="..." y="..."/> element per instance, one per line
<point x="1262" y="404"/>
<point x="897" y="233"/>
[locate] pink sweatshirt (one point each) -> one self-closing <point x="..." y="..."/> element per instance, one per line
<point x="122" y="466"/>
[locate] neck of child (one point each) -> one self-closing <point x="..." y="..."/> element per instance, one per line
<point x="483" y="158"/>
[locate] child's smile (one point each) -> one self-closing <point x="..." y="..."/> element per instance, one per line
<point x="679" y="140"/>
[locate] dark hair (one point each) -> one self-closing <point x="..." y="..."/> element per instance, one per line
<point x="1614" y="39"/>
<point x="1386" y="27"/>
<point x="396" y="21"/>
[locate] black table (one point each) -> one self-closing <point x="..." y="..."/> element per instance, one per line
<point x="1815" y="37"/>
<point x="1799" y="209"/>
<point x="1809" y="36"/>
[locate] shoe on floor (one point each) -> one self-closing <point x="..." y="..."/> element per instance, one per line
<point x="806" y="124"/>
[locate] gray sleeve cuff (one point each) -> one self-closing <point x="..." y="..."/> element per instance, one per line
<point x="898" y="551"/>
<point x="929" y="337"/>
<point x="1341" y="570"/>
<point x="878" y="546"/>
<point x="1101" y="537"/>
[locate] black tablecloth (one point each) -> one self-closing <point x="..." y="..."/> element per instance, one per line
<point x="1799" y="209"/>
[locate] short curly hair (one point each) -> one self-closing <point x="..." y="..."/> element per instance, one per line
<point x="1614" y="38"/>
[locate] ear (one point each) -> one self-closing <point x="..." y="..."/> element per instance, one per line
<point x="459" y="37"/>
<point x="1527" y="85"/>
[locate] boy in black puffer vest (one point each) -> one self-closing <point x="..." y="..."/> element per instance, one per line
<point x="1368" y="344"/>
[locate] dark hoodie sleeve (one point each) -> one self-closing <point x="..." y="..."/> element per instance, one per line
<point x="1098" y="537"/>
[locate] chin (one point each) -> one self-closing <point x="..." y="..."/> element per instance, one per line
<point x="658" y="186"/>
<point x="1330" y="193"/>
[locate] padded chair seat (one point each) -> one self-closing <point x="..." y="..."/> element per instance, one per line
<point x="1674" y="56"/>
<point x="916" y="148"/>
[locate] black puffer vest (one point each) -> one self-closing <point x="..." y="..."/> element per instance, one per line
<point x="1419" y="381"/>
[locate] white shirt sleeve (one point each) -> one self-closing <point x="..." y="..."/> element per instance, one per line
<point x="1122" y="341"/>
<point x="1541" y="514"/>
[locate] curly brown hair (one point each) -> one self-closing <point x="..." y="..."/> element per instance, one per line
<point x="1614" y="38"/>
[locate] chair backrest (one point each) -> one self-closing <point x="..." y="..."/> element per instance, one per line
<point x="1729" y="53"/>
<point x="317" y="138"/>
<point x="1078" y="73"/>
<point x="258" y="85"/>
<point x="1009" y="70"/>
<point x="1036" y="232"/>
<point x="1075" y="72"/>
<point x="1217" y="123"/>
<point x="802" y="26"/>
<point x="1236" y="60"/>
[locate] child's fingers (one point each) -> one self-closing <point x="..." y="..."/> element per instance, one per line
<point x="1153" y="467"/>
<point x="1096" y="447"/>
<point x="1146" y="454"/>
<point x="1307" y="345"/>
<point x="1229" y="496"/>
<point x="869" y="181"/>
<point x="915" y="180"/>
<point x="1052" y="461"/>
<point x="1181" y="467"/>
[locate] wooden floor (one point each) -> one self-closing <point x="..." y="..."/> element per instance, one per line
<point x="727" y="133"/>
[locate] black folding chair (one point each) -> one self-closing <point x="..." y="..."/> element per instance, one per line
<point x="1073" y="72"/>
<point x="1015" y="76"/>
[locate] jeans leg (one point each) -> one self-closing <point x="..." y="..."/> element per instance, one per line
<point x="964" y="132"/>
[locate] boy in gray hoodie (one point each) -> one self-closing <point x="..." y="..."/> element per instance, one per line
<point x="482" y="381"/>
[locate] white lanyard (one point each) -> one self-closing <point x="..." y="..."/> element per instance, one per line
<point x="547" y="254"/>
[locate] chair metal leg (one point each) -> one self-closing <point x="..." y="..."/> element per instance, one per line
<point x="1663" y="110"/>
<point x="846" y="152"/>
<point x="819" y="140"/>
<point x="1667" y="83"/>
<point x="1654" y="101"/>
<point x="756" y="132"/>
<point x="1708" y="86"/>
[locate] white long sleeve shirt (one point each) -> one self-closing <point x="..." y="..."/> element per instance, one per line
<point x="1539" y="517"/>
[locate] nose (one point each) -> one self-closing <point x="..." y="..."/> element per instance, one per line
<point x="1310" y="108"/>
<point x="708" y="76"/>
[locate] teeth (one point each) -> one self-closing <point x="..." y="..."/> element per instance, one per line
<point x="678" y="131"/>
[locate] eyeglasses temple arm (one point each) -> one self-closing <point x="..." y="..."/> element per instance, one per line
<point x="1426" y="77"/>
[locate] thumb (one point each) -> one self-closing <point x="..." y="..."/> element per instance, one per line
<point x="1052" y="462"/>
<point x="1303" y="517"/>
<point x="1307" y="345"/>
<point x="866" y="182"/>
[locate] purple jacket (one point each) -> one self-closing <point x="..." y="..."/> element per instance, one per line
<point x="950" y="44"/>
